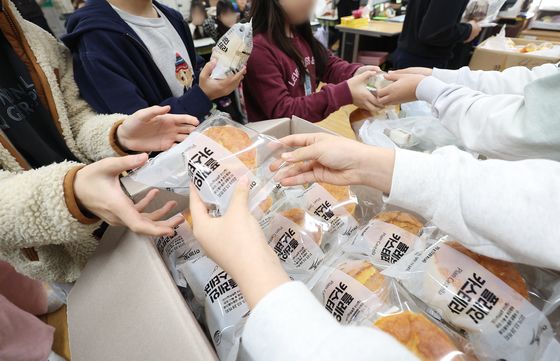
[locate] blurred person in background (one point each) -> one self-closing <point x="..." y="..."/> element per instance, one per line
<point x="430" y="32"/>
<point x="226" y="17"/>
<point x="197" y="18"/>
<point x="243" y="7"/>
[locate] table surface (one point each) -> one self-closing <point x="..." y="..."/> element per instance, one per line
<point x="374" y="28"/>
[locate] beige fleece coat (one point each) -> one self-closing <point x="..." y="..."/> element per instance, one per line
<point x="37" y="210"/>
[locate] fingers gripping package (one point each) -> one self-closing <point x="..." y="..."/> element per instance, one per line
<point x="388" y="237"/>
<point x="214" y="290"/>
<point x="483" y="298"/>
<point x="214" y="158"/>
<point x="233" y="50"/>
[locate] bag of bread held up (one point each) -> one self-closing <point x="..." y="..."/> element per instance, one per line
<point x="233" y="50"/>
<point x="213" y="159"/>
<point x="484" y="298"/>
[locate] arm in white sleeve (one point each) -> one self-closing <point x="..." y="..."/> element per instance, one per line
<point x="510" y="81"/>
<point x="290" y="324"/>
<point x="502" y="209"/>
<point x="500" y="126"/>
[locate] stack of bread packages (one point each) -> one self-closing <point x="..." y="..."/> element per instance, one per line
<point x="368" y="263"/>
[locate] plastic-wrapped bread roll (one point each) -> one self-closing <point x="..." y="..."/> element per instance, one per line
<point x="388" y="237"/>
<point x="298" y="216"/>
<point x="232" y="51"/>
<point x="403" y="220"/>
<point x="421" y="336"/>
<point x="342" y="194"/>
<point x="351" y="290"/>
<point x="505" y="271"/>
<point x="236" y="141"/>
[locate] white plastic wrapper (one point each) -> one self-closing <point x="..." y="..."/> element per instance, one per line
<point x="499" y="322"/>
<point x="177" y="250"/>
<point x="386" y="242"/>
<point x="295" y="236"/>
<point x="334" y="205"/>
<point x="483" y="11"/>
<point x="233" y="50"/>
<point x="214" y="158"/>
<point x="226" y="312"/>
<point x="351" y="289"/>
<point x="423" y="133"/>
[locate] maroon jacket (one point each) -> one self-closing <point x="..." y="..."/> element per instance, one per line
<point x="273" y="88"/>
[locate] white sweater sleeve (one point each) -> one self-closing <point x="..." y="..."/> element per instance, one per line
<point x="500" y="126"/>
<point x="290" y="324"/>
<point x="506" y="210"/>
<point x="510" y="81"/>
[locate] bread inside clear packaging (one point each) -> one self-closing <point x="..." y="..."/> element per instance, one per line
<point x="232" y="51"/>
<point x="213" y="159"/>
<point x="499" y="322"/>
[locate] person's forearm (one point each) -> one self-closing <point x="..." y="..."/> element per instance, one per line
<point x="510" y="81"/>
<point x="260" y="275"/>
<point x="505" y="210"/>
<point x="377" y="166"/>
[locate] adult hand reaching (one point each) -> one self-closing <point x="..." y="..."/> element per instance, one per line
<point x="153" y="129"/>
<point x="335" y="160"/>
<point x="98" y="190"/>
<point x="236" y="243"/>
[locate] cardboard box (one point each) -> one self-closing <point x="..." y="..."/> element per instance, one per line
<point x="125" y="306"/>
<point x="487" y="59"/>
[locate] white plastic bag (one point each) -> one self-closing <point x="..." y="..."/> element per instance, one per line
<point x="500" y="323"/>
<point x="233" y="49"/>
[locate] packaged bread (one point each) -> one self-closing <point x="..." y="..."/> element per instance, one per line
<point x="295" y="236"/>
<point x="333" y="205"/>
<point x="388" y="237"/>
<point x="232" y="51"/>
<point x="422" y="337"/>
<point x="351" y="289"/>
<point x="499" y="322"/>
<point x="213" y="159"/>
<point x="506" y="271"/>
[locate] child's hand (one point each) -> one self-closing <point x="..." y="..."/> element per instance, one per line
<point x="361" y="96"/>
<point x="154" y="129"/>
<point x="365" y="68"/>
<point x="214" y="88"/>
<point x="403" y="89"/>
<point x="236" y="243"/>
<point x="413" y="70"/>
<point x="98" y="190"/>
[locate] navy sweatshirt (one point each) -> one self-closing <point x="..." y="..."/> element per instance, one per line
<point x="433" y="27"/>
<point x="114" y="69"/>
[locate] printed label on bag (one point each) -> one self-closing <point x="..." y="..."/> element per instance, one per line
<point x="177" y="249"/>
<point x="214" y="170"/>
<point x="233" y="50"/>
<point x="345" y="298"/>
<point x="293" y="245"/>
<point x="321" y="203"/>
<point x="384" y="242"/>
<point x="501" y="324"/>
<point x="225" y="308"/>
